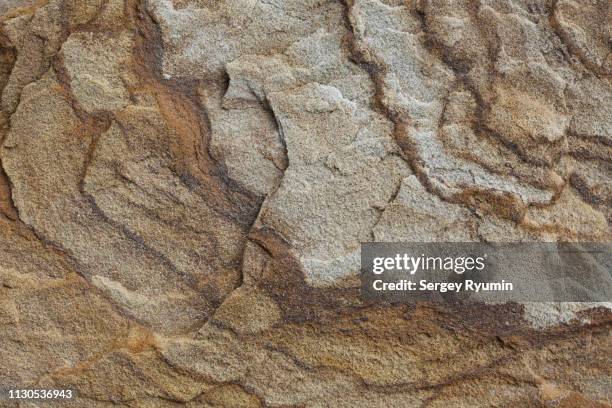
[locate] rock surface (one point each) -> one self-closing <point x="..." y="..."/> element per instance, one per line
<point x="184" y="186"/>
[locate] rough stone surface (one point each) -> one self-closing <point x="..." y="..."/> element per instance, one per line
<point x="184" y="186"/>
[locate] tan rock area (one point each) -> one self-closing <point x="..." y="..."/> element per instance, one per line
<point x="185" y="185"/>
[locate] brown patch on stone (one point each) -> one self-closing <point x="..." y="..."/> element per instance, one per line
<point x="283" y="280"/>
<point x="496" y="203"/>
<point x="23" y="10"/>
<point x="558" y="397"/>
<point x="179" y="104"/>
<point x="7" y="207"/>
<point x="231" y="395"/>
<point x="140" y="339"/>
<point x="7" y="61"/>
<point x="597" y="10"/>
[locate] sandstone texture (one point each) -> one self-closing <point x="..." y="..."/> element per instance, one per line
<point x="185" y="184"/>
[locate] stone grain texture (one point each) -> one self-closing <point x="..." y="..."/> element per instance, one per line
<point x="184" y="186"/>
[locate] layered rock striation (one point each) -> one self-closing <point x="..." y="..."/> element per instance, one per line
<point x="185" y="184"/>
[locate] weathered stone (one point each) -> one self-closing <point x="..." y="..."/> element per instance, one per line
<point x="98" y="68"/>
<point x="185" y="184"/>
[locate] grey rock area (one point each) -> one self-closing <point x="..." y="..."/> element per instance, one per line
<point x="9" y="5"/>
<point x="185" y="184"/>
